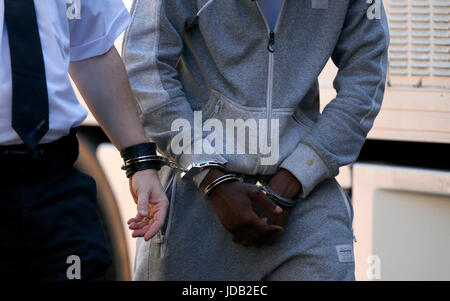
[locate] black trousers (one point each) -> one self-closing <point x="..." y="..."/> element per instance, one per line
<point x="48" y="216"/>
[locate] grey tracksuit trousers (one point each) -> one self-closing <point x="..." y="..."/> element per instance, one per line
<point x="316" y="245"/>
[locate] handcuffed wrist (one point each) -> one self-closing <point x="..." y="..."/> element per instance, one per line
<point x="220" y="180"/>
<point x="275" y="197"/>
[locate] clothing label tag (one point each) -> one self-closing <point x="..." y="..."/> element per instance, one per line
<point x="345" y="253"/>
<point x="319" y="4"/>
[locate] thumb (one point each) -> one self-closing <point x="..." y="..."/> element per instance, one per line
<point x="267" y="203"/>
<point x="142" y="204"/>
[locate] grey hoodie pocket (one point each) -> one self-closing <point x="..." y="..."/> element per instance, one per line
<point x="348" y="207"/>
<point x="255" y="152"/>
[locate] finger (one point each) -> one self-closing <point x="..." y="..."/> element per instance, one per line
<point x="268" y="237"/>
<point x="260" y="225"/>
<point x="246" y="243"/>
<point x="140" y="232"/>
<point x="148" y="229"/>
<point x="135" y="220"/>
<point x="154" y="228"/>
<point x="255" y="242"/>
<point x="242" y="233"/>
<point x="236" y="238"/>
<point x="248" y="236"/>
<point x="260" y="210"/>
<point x="271" y="239"/>
<point x="141" y="224"/>
<point x="251" y="238"/>
<point x="263" y="231"/>
<point x="267" y="203"/>
<point x="156" y="225"/>
<point x="272" y="236"/>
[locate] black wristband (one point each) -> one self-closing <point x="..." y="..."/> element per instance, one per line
<point x="132" y="154"/>
<point x="138" y="150"/>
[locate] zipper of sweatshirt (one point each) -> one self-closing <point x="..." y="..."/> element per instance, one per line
<point x="271" y="51"/>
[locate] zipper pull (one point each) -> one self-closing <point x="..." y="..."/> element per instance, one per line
<point x="218" y="106"/>
<point x="271" y="44"/>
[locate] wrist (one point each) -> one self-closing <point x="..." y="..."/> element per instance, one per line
<point x="140" y="157"/>
<point x="152" y="172"/>
<point x="213" y="174"/>
<point x="285" y="184"/>
<point x="220" y="181"/>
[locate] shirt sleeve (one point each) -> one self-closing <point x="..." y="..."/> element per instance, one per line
<point x="99" y="25"/>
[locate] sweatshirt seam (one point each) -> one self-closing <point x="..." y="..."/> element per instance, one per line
<point x="155" y="109"/>
<point x="158" y="40"/>
<point x="153" y="60"/>
<point x="125" y="44"/>
<point x="383" y="74"/>
<point x="349" y="113"/>
<point x="127" y="31"/>
<point x="372" y="100"/>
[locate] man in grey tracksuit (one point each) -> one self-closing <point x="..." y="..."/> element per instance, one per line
<point x="228" y="59"/>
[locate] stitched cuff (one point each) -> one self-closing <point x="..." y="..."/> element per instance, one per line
<point x="307" y="167"/>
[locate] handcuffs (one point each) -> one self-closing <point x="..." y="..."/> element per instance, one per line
<point x="280" y="200"/>
<point x="143" y="156"/>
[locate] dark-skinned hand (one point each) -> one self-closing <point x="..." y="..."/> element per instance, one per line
<point x="234" y="203"/>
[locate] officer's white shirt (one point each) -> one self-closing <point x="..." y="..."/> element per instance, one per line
<point x="67" y="34"/>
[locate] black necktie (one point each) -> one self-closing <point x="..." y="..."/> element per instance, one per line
<point x="29" y="85"/>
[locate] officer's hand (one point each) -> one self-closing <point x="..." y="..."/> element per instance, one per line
<point x="152" y="204"/>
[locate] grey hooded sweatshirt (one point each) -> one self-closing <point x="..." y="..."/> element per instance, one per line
<point x="221" y="58"/>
